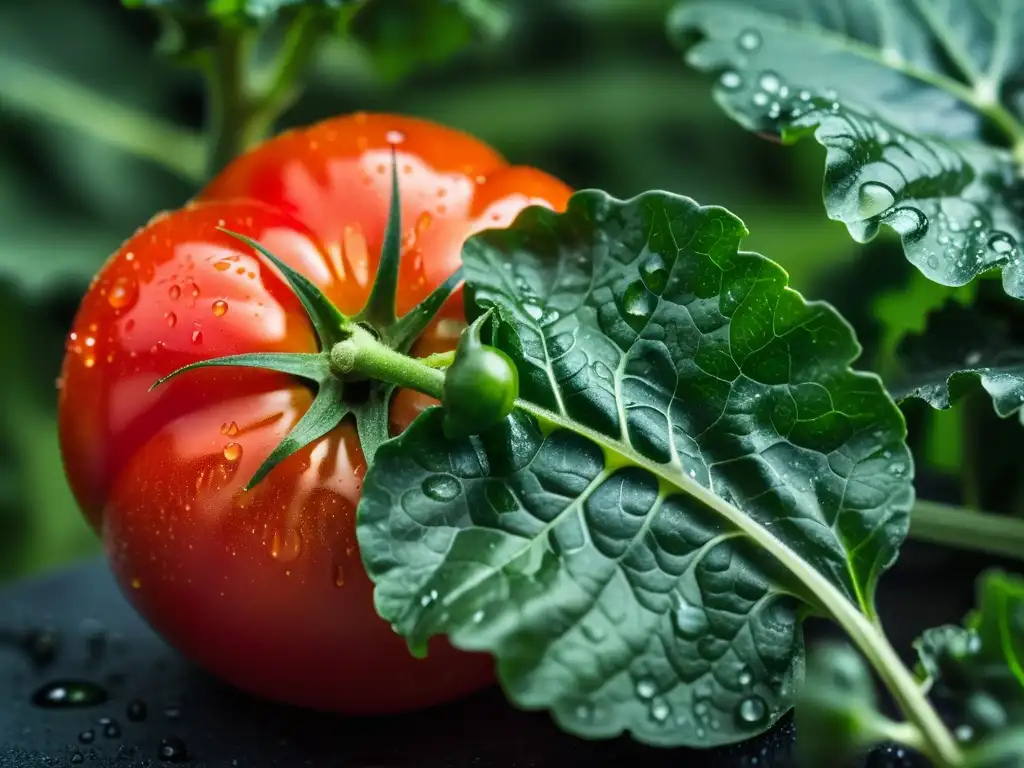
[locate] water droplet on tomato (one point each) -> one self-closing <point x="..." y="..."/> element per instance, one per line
<point x="222" y="265"/>
<point x="220" y="307"/>
<point x="394" y="137"/>
<point x="174" y="292"/>
<point x="442" y="487"/>
<point x="172" y="319"/>
<point x="88" y="359"/>
<point x="173" y="750"/>
<point x="339" y="576"/>
<point x="423" y="222"/>
<point x="229" y="428"/>
<point x="197" y="336"/>
<point x="67" y="694"/>
<point x="123" y="293"/>
<point x="232" y="451"/>
<point x="286" y="545"/>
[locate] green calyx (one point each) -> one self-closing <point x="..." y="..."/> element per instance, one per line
<point x="362" y="359"/>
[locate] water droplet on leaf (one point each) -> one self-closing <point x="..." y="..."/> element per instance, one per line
<point x="749" y="40"/>
<point x="646" y="689"/>
<point x="654" y="273"/>
<point x="752" y="711"/>
<point x="874" y="198"/>
<point x="637" y="304"/>
<point x="731" y="80"/>
<point x="770" y="82"/>
<point x="442" y="487"/>
<point x="172" y="750"/>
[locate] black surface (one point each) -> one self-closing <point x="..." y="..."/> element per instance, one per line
<point x="91" y="634"/>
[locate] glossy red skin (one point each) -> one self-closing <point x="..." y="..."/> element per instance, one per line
<point x="266" y="589"/>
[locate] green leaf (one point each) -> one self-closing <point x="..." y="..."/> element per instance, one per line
<point x="692" y="466"/>
<point x="372" y="419"/>
<point x="402" y="37"/>
<point x="980" y="667"/>
<point x="233" y="11"/>
<point x="961" y="350"/>
<point x="327" y="320"/>
<point x="836" y="711"/>
<point x="909" y="99"/>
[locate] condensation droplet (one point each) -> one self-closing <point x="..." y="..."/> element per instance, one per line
<point x="654" y="273"/>
<point x="172" y="319"/>
<point x="770" y="82"/>
<point x="174" y="292"/>
<point x="1001" y="243"/>
<point x="752" y="711"/>
<point x="874" y="198"/>
<point x="749" y="40"/>
<point x="229" y="428"/>
<point x="219" y="308"/>
<point x="232" y="451"/>
<point x="442" y="487"/>
<point x="731" y="80"/>
<point x="394" y="137"/>
<point x="197" y="336"/>
<point x="646" y="689"/>
<point x="123" y="293"/>
<point x="286" y="545"/>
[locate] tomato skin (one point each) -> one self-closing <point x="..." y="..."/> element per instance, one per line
<point x="265" y="588"/>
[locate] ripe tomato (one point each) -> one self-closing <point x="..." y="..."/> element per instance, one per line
<point x="265" y="588"/>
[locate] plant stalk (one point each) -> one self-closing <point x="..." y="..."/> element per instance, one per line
<point x="961" y="528"/>
<point x="363" y="355"/>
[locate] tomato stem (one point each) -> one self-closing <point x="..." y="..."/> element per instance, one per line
<point x="364" y="355"/>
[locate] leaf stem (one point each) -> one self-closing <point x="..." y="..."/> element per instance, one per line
<point x="39" y="93"/>
<point x="364" y="355"/>
<point x="968" y="529"/>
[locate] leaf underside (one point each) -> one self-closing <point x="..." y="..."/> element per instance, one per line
<point x="899" y="92"/>
<point x="610" y="594"/>
<point x="962" y="349"/>
<point x="979" y="668"/>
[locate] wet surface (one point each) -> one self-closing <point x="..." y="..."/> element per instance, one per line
<point x="84" y="681"/>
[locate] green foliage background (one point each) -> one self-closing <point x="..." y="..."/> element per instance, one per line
<point x="590" y="90"/>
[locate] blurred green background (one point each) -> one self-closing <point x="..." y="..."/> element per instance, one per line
<point x="590" y="90"/>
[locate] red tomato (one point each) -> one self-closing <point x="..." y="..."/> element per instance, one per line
<point x="265" y="588"/>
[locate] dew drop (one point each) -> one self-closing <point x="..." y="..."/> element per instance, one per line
<point x="760" y="99"/>
<point x="745" y="678"/>
<point x="136" y="711"/>
<point x="112" y="729"/>
<point x="534" y="311"/>
<point x="232" y="451"/>
<point x="1001" y="243"/>
<point x="220" y="308"/>
<point x="87" y="736"/>
<point x="286" y="545"/>
<point x="660" y="711"/>
<point x="752" y="711"/>
<point x="172" y="750"/>
<point x="770" y="82"/>
<point x="654" y="274"/>
<point x="731" y="80"/>
<point x="646" y="689"/>
<point x="174" y="292"/>
<point x="339" y="576"/>
<point x="76" y="757"/>
<point x="637" y="302"/>
<point x="229" y="428"/>
<point x="222" y="266"/>
<point x="688" y="621"/>
<point x="172" y="319"/>
<point x="874" y="198"/>
<point x="394" y="137"/>
<point x="69" y="694"/>
<point x="749" y="40"/>
<point x="123" y="293"/>
<point x="442" y="487"/>
<point x="197" y="336"/>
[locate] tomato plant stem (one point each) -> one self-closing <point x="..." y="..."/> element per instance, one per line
<point x="364" y="355"/>
<point x="39" y="93"/>
<point x="968" y="529"/>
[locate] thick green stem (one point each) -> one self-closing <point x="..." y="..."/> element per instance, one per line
<point x="243" y="113"/>
<point x="39" y="93"/>
<point x="968" y="529"/>
<point x="363" y="355"/>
